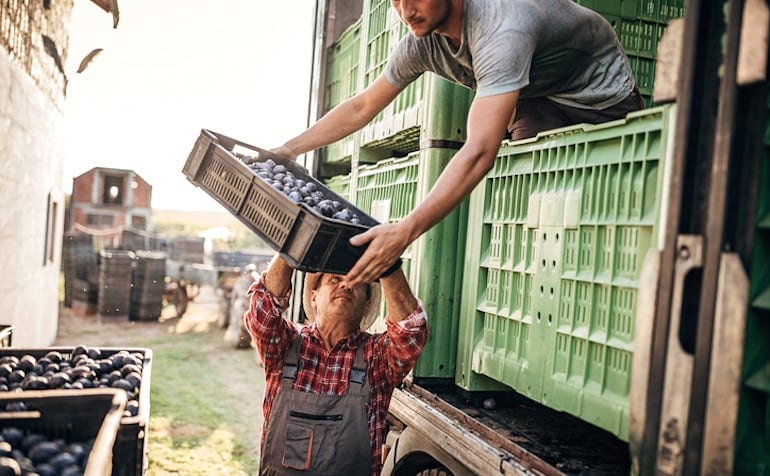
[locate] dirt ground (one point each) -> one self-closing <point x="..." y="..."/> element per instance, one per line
<point x="77" y="328"/>
<point x="200" y="317"/>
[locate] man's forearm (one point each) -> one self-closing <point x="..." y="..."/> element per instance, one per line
<point x="457" y="181"/>
<point x="488" y="118"/>
<point x="344" y="119"/>
<point x="335" y="125"/>
<point x="398" y="296"/>
<point x="278" y="276"/>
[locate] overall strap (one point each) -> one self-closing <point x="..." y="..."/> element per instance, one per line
<point x="358" y="371"/>
<point x="291" y="361"/>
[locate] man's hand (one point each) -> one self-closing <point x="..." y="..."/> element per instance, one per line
<point x="284" y="151"/>
<point x="387" y="243"/>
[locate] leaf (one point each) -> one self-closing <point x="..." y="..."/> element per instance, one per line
<point x="50" y="47"/>
<point x="88" y="58"/>
<point x="115" y="13"/>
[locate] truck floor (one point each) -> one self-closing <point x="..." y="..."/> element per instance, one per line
<point x="551" y="441"/>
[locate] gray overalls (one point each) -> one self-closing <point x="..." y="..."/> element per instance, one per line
<point x="317" y="434"/>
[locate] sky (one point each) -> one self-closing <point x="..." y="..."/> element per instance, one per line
<point x="173" y="67"/>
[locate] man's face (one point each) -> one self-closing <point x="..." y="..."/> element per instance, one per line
<point x="335" y="301"/>
<point x="423" y="17"/>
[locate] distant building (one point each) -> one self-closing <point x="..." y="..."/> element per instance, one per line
<point x="105" y="201"/>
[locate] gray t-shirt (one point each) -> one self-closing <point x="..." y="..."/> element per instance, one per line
<point x="552" y="48"/>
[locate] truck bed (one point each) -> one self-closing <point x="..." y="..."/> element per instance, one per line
<point x="533" y="438"/>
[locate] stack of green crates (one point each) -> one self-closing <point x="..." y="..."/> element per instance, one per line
<point x="430" y="108"/>
<point x="340" y="184"/>
<point x="342" y="82"/>
<point x="640" y="25"/>
<point x="395" y="161"/>
<point x="433" y="264"/>
<point x="752" y="446"/>
<point x="560" y="226"/>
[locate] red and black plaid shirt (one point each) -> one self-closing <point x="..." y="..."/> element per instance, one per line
<point x="390" y="356"/>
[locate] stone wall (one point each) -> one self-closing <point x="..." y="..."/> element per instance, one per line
<point x="34" y="34"/>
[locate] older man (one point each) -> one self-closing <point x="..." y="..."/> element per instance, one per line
<point x="329" y="384"/>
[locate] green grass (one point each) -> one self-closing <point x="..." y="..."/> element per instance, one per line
<point x="198" y="426"/>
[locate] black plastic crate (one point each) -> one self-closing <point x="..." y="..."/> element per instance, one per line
<point x="75" y="417"/>
<point x="304" y="237"/>
<point x="130" y="451"/>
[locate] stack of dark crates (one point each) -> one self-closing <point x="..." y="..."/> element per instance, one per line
<point x="134" y="239"/>
<point x="79" y="265"/>
<point x="148" y="285"/>
<point x="187" y="249"/>
<point x="115" y="274"/>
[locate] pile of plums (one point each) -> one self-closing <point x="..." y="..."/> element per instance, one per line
<point x="299" y="190"/>
<point x="85" y="367"/>
<point x="24" y="452"/>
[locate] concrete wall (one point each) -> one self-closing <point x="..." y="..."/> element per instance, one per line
<point x="31" y="158"/>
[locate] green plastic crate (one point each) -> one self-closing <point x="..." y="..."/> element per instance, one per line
<point x="752" y="446"/>
<point x="644" y="73"/>
<point x="342" y="66"/>
<point x="430" y="108"/>
<point x="342" y="82"/>
<point x="376" y="38"/>
<point x="627" y="8"/>
<point x="433" y="264"/>
<point x="560" y="227"/>
<point x="340" y="184"/>
<point x="639" y="37"/>
<point x="660" y="11"/>
<point x="639" y="24"/>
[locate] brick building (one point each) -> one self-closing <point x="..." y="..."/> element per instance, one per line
<point x="105" y="201"/>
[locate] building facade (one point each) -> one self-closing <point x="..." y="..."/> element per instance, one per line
<point x="33" y="40"/>
<point x="105" y="201"/>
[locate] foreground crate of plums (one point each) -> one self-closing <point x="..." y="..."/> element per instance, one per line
<point x="77" y="368"/>
<point x="277" y="199"/>
<point x="60" y="432"/>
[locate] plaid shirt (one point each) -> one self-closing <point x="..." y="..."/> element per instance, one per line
<point x="390" y="357"/>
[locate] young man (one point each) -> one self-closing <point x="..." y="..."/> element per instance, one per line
<point x="534" y="64"/>
<point x="329" y="384"/>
